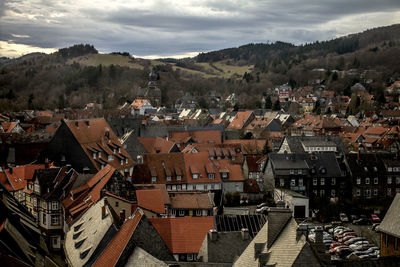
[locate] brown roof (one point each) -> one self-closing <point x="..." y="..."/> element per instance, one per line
<point x="251" y="146"/>
<point x="156" y="144"/>
<point x="252" y="163"/>
<point x="195" y="163"/>
<point x="251" y="186"/>
<point x="183" y="234"/>
<point x="190" y="200"/>
<point x="151" y="199"/>
<point x="138" y="103"/>
<point x="18" y="176"/>
<point x="376" y="131"/>
<point x="240" y="119"/>
<point x="95" y="136"/>
<point x="158" y="164"/>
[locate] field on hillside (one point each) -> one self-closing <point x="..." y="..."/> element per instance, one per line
<point x="107" y="60"/>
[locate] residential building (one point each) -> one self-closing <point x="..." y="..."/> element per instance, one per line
<point x="389" y="230"/>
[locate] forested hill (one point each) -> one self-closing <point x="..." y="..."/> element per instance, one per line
<point x="74" y="76"/>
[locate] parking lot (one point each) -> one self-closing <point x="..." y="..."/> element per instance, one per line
<point x="366" y="231"/>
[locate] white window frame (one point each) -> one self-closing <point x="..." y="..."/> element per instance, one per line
<point x="358" y="192"/>
<point x="301" y="183"/>
<point x="211" y="176"/>
<point x="333" y="193"/>
<point x="367" y="180"/>
<point x="181" y="212"/>
<point x="282" y="182"/>
<point x="169" y="179"/>
<point x="178" y="177"/>
<point x="389" y="180"/>
<point x="322" y="181"/>
<point x="154" y="179"/>
<point x="358" y="181"/>
<point x="375" y="191"/>
<point x="389" y="191"/>
<point x="55" y="220"/>
<point x="54" y="205"/>
<point x="198" y="212"/>
<point x="110" y="158"/>
<point x="333" y="181"/>
<point x="195" y="175"/>
<point x="292" y="182"/>
<point x="291" y="171"/>
<point x="315" y="181"/>
<point x="376" y="180"/>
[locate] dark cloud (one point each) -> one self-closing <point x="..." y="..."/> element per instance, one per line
<point x="163" y="29"/>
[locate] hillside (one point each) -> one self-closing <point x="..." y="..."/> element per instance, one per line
<point x="78" y="75"/>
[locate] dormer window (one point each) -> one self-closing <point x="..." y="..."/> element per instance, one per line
<point x="94" y="155"/>
<point x="375" y="169"/>
<point x="110" y="157"/>
<point x="224" y="175"/>
<point x="178" y="177"/>
<point x="126" y="160"/>
<point x="122" y="162"/>
<point x="99" y="155"/>
<point x="365" y="169"/>
<point x="195" y="175"/>
<point x="115" y="150"/>
<point x="169" y="179"/>
<point x="154" y="179"/>
<point x="211" y="176"/>
<point x="119" y="150"/>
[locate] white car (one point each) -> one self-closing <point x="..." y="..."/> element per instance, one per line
<point x="359" y="244"/>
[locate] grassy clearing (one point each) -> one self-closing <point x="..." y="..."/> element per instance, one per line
<point x="106" y="60"/>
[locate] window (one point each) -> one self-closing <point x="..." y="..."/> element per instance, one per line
<point x="358" y="180"/>
<point x="389" y="169"/>
<point x="37" y="188"/>
<point x="211" y="176"/>
<point x="44" y="218"/>
<point x="389" y="191"/>
<point x="178" y="187"/>
<point x="291" y="171"/>
<point x="333" y="193"/>
<point x="358" y="192"/>
<point x="181" y="212"/>
<point x="126" y="161"/>
<point x="173" y="212"/>
<point x="367" y="193"/>
<point x="375" y="169"/>
<point x="54" y="205"/>
<point x="281" y="182"/>
<point x="299" y="171"/>
<point x="315" y="181"/>
<point x="224" y="175"/>
<point x="110" y="157"/>
<point x="99" y="155"/>
<point x="94" y="155"/>
<point x="397" y="190"/>
<point x="122" y="162"/>
<point x="55" y="219"/>
<point x="119" y="150"/>
<point x="237" y="187"/>
<point x="333" y="181"/>
<point x="116" y="203"/>
<point x="375" y="191"/>
<point x="376" y="180"/>
<point x="168" y="187"/>
<point x="322" y="181"/>
<point x="212" y="187"/>
<point x="205" y="187"/>
<point x="301" y="182"/>
<point x="315" y="192"/>
<point x="198" y="212"/>
<point x="184" y="187"/>
<point x="250" y="175"/>
<point x="293" y="182"/>
<point x="365" y="169"/>
<point x="168" y="178"/>
<point x="189" y="257"/>
<point x="195" y="176"/>
<point x="55" y="241"/>
<point x="194" y="187"/>
<point x="153" y="179"/>
<point x="367" y="180"/>
<point x="397" y="180"/>
<point x="178" y="177"/>
<point x="322" y="192"/>
<point x="389" y="180"/>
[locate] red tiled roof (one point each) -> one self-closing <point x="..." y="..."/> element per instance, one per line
<point x="19" y="176"/>
<point x="183" y="234"/>
<point x="114" y="250"/>
<point x="195" y="163"/>
<point x="201" y="137"/>
<point x="8" y="126"/>
<point x="258" y="123"/>
<point x="252" y="163"/>
<point x="151" y="199"/>
<point x="376" y="131"/>
<point x="156" y="144"/>
<point x="251" y="146"/>
<point x="240" y="119"/>
<point x="190" y="200"/>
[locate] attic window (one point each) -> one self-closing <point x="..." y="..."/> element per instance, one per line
<point x="365" y="169"/>
<point x="195" y="175"/>
<point x="178" y="177"/>
<point x="84" y="253"/>
<point x="77" y="227"/>
<point x="154" y="179"/>
<point x="79" y="243"/>
<point x="168" y="178"/>
<point x="77" y="234"/>
<point x="110" y="157"/>
<point x="211" y="176"/>
<point x="119" y="149"/>
<point x="375" y="169"/>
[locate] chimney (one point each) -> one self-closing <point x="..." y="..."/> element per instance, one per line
<point x="245" y="233"/>
<point x="213" y="234"/>
<point x="87" y="123"/>
<point x="280" y="204"/>
<point x="122" y="216"/>
<point x="103" y="212"/>
<point x="77" y="124"/>
<point x="319" y="235"/>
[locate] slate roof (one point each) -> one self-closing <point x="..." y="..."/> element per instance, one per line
<point x="229" y="223"/>
<point x="295" y="142"/>
<point x="183" y="234"/>
<point x="391" y="222"/>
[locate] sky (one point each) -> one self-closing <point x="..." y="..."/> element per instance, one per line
<point x="181" y="28"/>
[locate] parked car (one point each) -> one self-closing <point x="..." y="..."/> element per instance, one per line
<point x="372" y="250"/>
<point x="353" y="240"/>
<point x="346" y="238"/>
<point x="343" y="217"/>
<point x="353" y="217"/>
<point x="356" y="253"/>
<point x="335" y="249"/>
<point x="262" y="210"/>
<point x="375" y="218"/>
<point x="343" y="252"/>
<point x="336" y="244"/>
<point x="357" y="244"/>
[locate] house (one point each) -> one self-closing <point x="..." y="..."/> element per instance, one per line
<point x="389" y="230"/>
<point x="131" y="144"/>
<point x="278" y="243"/>
<point x="11" y="127"/>
<point x="241" y="120"/>
<point x="223" y="247"/>
<point x="184" y="235"/>
<point x="15" y="180"/>
<point x="49" y="188"/>
<point x="297" y="203"/>
<point x="151" y="202"/>
<point x="249" y="147"/>
<point x="317" y="176"/>
<point x="204" y="136"/>
<point x="81" y="198"/>
<point x="89" y="145"/>
<point x="168" y="169"/>
<point x="191" y="204"/>
<point x="140" y="106"/>
<point x="135" y="233"/>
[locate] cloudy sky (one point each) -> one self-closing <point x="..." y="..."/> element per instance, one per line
<point x="158" y="28"/>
